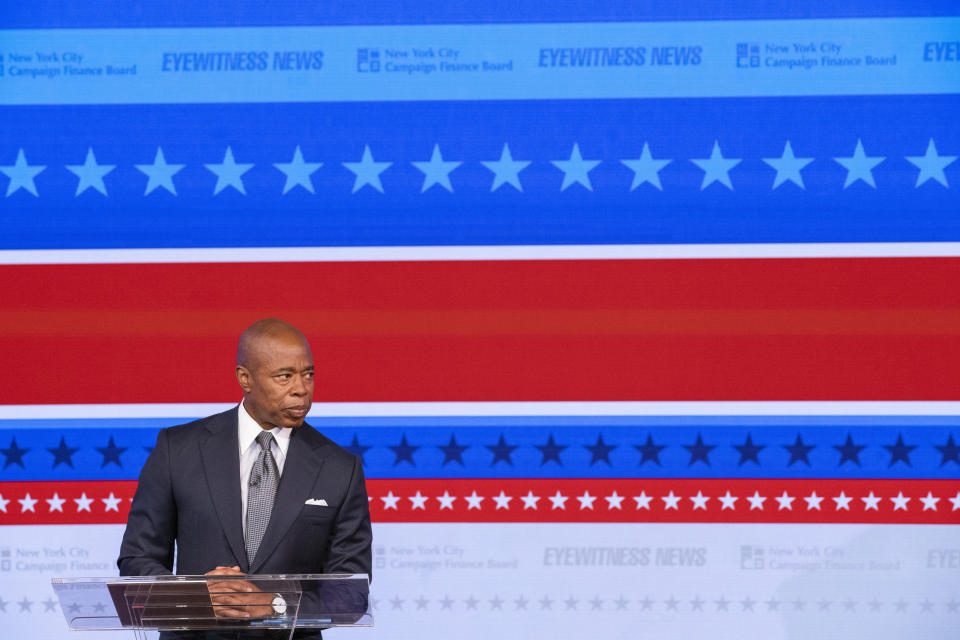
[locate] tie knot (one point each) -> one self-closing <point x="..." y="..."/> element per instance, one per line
<point x="264" y="439"/>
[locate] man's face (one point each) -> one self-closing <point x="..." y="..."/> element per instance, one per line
<point x="278" y="381"/>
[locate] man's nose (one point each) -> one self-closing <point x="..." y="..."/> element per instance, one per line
<point x="299" y="386"/>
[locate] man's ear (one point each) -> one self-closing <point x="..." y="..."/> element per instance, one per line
<point x="243" y="378"/>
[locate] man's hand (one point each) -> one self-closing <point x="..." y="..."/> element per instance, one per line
<point x="238" y="598"/>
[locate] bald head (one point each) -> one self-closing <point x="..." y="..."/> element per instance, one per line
<point x="258" y="337"/>
<point x="275" y="371"/>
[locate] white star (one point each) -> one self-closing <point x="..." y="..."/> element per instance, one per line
<point x="56" y="503"/>
<point x="229" y="173"/>
<point x="110" y="502"/>
<point x="786" y="501"/>
<point x="670" y="501"/>
<point x="859" y="166"/>
<point x="870" y="502"/>
<point x="506" y="169"/>
<point x="27" y="503"/>
<point x="298" y="172"/>
<point x="437" y="170"/>
<point x="716" y="168"/>
<point x="646" y="169"/>
<point x="643" y="501"/>
<point x="419" y="501"/>
<point x="956" y="502"/>
<point x="728" y="501"/>
<point x="575" y="169"/>
<point x="586" y="501"/>
<point x="788" y="167"/>
<point x="473" y="501"/>
<point x="21" y="174"/>
<point x="446" y="500"/>
<point x="900" y="501"/>
<point x="367" y="171"/>
<point x="90" y="174"/>
<point x="530" y="501"/>
<point x="159" y="174"/>
<point x="929" y="502"/>
<point x="614" y="500"/>
<point x="560" y="501"/>
<point x="931" y="165"/>
<point x="502" y="500"/>
<point x="756" y="501"/>
<point x="843" y="501"/>
<point x="4" y="502"/>
<point x="699" y="501"/>
<point x="390" y="501"/>
<point x="813" y="501"/>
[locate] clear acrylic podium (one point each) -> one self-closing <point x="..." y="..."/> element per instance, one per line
<point x="223" y="602"/>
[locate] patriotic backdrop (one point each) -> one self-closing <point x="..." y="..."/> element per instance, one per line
<point x="645" y="320"/>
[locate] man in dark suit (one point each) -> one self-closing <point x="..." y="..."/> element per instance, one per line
<point x="254" y="489"/>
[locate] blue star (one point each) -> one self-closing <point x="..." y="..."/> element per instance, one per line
<point x="298" y="172"/>
<point x="229" y="173"/>
<point x="63" y="453"/>
<point x="501" y="451"/>
<point x="357" y="449"/>
<point x="949" y="451"/>
<point x="716" y="168"/>
<point x="160" y="174"/>
<point x="506" y="170"/>
<point x="21" y="174"/>
<point x="14" y="455"/>
<point x="551" y="451"/>
<point x="899" y="451"/>
<point x="600" y="451"/>
<point x="90" y="174"/>
<point x="576" y="169"/>
<point x="367" y="171"/>
<point x="849" y="451"/>
<point x="860" y="166"/>
<point x="646" y="169"/>
<point x="649" y="451"/>
<point x="453" y="452"/>
<point x="931" y="165"/>
<point x="699" y="451"/>
<point x="788" y="167"/>
<point x="437" y="170"/>
<point x="111" y="453"/>
<point x="799" y="451"/>
<point x="404" y="452"/>
<point x="749" y="451"/>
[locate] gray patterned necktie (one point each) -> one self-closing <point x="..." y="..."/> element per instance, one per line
<point x="264" y="478"/>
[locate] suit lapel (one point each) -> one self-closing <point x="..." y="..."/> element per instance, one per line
<point x="221" y="464"/>
<point x="299" y="475"/>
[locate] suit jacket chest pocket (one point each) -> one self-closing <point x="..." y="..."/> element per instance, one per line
<point x="317" y="515"/>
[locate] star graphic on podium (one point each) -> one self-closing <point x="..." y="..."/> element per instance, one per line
<point x="716" y="168"/>
<point x="229" y="173"/>
<point x="160" y="174"/>
<point x="297" y="172"/>
<point x="506" y="170"/>
<point x="576" y="169"/>
<point x="931" y="165"/>
<point x="860" y="166"/>
<point x="367" y="171"/>
<point x="788" y="167"/>
<point x="91" y="174"/>
<point x="646" y="169"/>
<point x="436" y="170"/>
<point x="21" y="174"/>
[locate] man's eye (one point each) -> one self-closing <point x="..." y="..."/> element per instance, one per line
<point x="309" y="375"/>
<point x="284" y="376"/>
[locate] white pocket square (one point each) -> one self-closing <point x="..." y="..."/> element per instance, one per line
<point x="320" y="502"/>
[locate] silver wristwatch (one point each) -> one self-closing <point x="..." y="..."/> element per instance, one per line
<point x="279" y="605"/>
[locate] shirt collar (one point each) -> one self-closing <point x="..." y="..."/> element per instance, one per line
<point x="248" y="430"/>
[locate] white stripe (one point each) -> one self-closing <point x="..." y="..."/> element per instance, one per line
<point x="411" y="409"/>
<point x="504" y="252"/>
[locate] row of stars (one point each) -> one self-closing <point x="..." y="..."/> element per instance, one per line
<point x="572" y="603"/>
<point x="56" y="503"/>
<point x="621" y="603"/>
<point x="699" y="451"/>
<point x="576" y="170"/>
<point x="670" y="501"/>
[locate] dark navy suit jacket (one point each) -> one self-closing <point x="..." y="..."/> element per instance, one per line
<point x="189" y="493"/>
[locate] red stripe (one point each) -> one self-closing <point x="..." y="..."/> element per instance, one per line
<point x="576" y="500"/>
<point x="752" y="329"/>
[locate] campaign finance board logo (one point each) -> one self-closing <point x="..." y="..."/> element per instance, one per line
<point x="368" y="60"/>
<point x="748" y="55"/>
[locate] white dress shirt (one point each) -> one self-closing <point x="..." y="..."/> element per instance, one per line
<point x="247" y="432"/>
